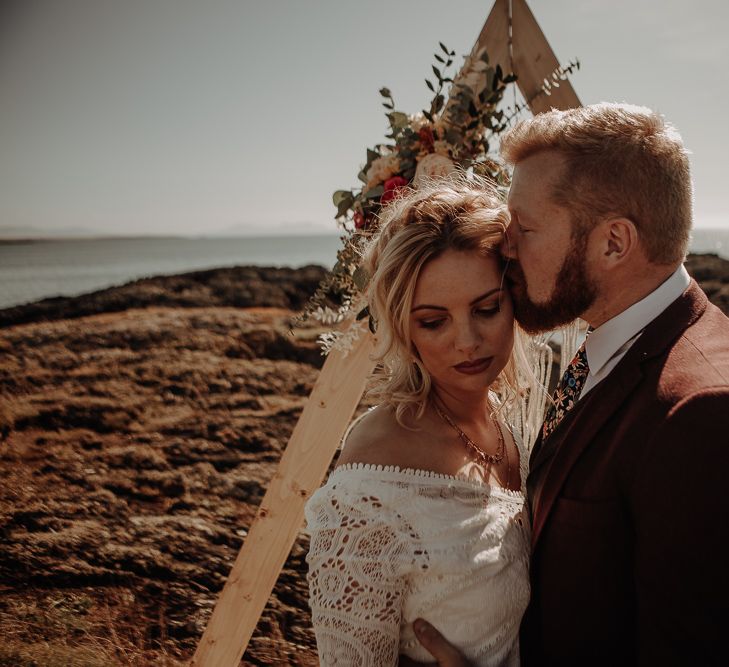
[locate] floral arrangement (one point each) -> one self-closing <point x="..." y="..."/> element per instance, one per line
<point x="454" y="133"/>
<point x="433" y="142"/>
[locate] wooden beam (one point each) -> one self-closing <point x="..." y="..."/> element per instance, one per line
<point x="534" y="60"/>
<point x="527" y="54"/>
<point x="301" y="471"/>
<point x="495" y="36"/>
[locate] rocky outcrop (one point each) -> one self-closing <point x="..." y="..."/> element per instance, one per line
<point x="238" y="287"/>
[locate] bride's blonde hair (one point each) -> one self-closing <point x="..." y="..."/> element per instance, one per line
<point x="462" y="213"/>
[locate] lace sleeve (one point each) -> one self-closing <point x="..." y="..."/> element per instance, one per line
<point x="356" y="577"/>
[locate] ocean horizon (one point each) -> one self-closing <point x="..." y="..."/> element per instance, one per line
<point x="35" y="269"/>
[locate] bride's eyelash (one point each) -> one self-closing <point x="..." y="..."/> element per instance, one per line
<point x="430" y="324"/>
<point x="482" y="312"/>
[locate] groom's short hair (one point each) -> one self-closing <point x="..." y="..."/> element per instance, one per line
<point x="620" y="160"/>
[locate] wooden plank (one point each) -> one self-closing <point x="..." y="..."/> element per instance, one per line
<point x="494" y="36"/>
<point x="534" y="60"/>
<point x="528" y="55"/>
<point x="301" y="471"/>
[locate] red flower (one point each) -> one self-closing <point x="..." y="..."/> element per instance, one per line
<point x="360" y="221"/>
<point x="393" y="188"/>
<point x="395" y="182"/>
<point x="426" y="137"/>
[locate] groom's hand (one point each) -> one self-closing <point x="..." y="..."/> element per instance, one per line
<point x="445" y="654"/>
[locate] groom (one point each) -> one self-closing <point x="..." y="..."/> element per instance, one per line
<point x="629" y="479"/>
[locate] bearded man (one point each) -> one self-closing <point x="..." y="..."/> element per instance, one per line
<point x="627" y="490"/>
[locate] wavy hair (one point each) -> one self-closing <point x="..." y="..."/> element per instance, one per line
<point x="462" y="213"/>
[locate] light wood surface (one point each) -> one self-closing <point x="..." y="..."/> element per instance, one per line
<point x="534" y="61"/>
<point x="528" y="55"/>
<point x="301" y="471"/>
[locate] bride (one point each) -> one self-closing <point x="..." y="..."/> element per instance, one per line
<point x="424" y="516"/>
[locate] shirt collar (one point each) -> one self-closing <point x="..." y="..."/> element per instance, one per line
<point x="605" y="341"/>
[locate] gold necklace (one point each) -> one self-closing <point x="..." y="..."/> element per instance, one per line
<point x="484" y="458"/>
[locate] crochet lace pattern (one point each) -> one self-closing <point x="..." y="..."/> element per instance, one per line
<point x="390" y="545"/>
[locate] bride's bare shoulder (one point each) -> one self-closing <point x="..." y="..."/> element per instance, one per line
<point x="379" y="439"/>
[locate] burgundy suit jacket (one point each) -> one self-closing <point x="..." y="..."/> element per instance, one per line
<point x="630" y="506"/>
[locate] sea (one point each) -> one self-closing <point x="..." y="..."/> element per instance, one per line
<point x="38" y="269"/>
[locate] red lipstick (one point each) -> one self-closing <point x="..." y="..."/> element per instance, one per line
<point x="474" y="367"/>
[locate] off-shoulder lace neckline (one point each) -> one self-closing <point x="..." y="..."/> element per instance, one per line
<point x="420" y="474"/>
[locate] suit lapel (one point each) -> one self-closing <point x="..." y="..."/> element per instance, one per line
<point x="554" y="458"/>
<point x="573" y="436"/>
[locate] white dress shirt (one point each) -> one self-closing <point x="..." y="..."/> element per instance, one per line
<point x="608" y="344"/>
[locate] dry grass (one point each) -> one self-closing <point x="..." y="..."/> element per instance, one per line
<point x="72" y="628"/>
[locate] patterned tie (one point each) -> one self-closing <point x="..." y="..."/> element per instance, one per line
<point x="568" y="391"/>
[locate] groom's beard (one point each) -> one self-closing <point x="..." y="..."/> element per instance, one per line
<point x="573" y="293"/>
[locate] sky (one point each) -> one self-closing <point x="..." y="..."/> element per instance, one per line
<point x="196" y="117"/>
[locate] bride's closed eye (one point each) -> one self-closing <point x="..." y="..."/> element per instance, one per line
<point x="488" y="312"/>
<point x="431" y="324"/>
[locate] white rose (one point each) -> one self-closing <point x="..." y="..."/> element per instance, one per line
<point x="381" y="169"/>
<point x="432" y="166"/>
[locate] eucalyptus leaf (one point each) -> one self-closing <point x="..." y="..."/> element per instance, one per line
<point x="445" y="50"/>
<point x="341" y="195"/>
<point x="343" y="207"/>
<point x="436" y="71"/>
<point x="407" y="165"/>
<point x="385" y="92"/>
<point x="360" y="279"/>
<point x="398" y="119"/>
<point x="430" y="85"/>
<point x="498" y="74"/>
<point x="439" y="59"/>
<point x="375" y="193"/>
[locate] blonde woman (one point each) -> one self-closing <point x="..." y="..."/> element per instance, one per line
<point x="423" y="517"/>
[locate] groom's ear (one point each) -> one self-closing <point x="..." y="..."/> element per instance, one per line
<point x="617" y="240"/>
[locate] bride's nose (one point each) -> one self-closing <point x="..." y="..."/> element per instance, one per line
<point x="467" y="338"/>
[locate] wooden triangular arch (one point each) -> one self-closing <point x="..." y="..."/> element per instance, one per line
<point x="513" y="39"/>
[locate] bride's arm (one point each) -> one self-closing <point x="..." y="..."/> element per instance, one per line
<point x="356" y="578"/>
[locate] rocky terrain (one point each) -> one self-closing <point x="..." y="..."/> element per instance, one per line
<point x="139" y="427"/>
<point x="136" y="445"/>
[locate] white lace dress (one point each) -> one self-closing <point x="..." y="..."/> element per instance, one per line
<point x="390" y="545"/>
